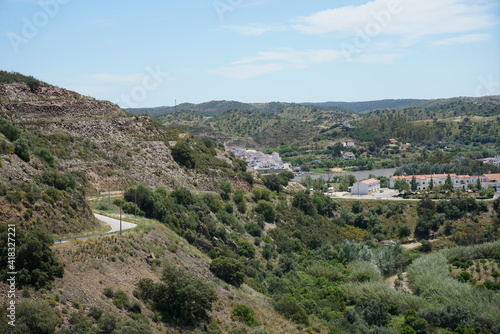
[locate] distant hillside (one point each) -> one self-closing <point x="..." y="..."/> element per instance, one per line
<point x="213" y="108"/>
<point x="360" y="107"/>
<point x="260" y="125"/>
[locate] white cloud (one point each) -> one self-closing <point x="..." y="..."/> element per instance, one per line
<point x="256" y="29"/>
<point x="388" y="58"/>
<point x="266" y="62"/>
<point x="469" y="38"/>
<point x="409" y="19"/>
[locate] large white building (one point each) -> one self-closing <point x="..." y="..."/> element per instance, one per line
<point x="458" y="181"/>
<point x="365" y="187"/>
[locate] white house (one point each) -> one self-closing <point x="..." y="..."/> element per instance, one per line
<point x="365" y="187"/>
<point x="349" y="156"/>
<point x="493" y="161"/>
<point x="424" y="181"/>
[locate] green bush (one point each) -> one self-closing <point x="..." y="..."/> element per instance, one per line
<point x="179" y="297"/>
<point x="291" y="310"/>
<point x="246" y="249"/>
<point x="253" y="229"/>
<point x="46" y="156"/>
<point x="183" y="154"/>
<point x="22" y="149"/>
<point x="58" y="180"/>
<point x="14" y="197"/>
<point x="266" y="209"/>
<point x="31" y="317"/>
<point x="244" y="314"/>
<point x="35" y="259"/>
<point x="228" y="270"/>
<point x="9" y="129"/>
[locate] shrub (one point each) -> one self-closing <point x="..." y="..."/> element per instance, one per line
<point x="376" y="313"/>
<point x="228" y="270"/>
<point x="226" y="190"/>
<point x="31" y="317"/>
<point x="253" y="229"/>
<point x="244" y="314"/>
<point x="246" y="249"/>
<point x="183" y="154"/>
<point x="291" y="310"/>
<point x="266" y="209"/>
<point x="58" y="180"/>
<point x="9" y="129"/>
<point x="179" y="297"/>
<point x="14" y="197"/>
<point x="46" y="155"/>
<point x="34" y="256"/>
<point x="22" y="149"/>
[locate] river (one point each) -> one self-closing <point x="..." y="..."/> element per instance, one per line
<point x="363" y="174"/>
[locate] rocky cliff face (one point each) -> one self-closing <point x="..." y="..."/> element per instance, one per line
<point x="52" y="103"/>
<point x="98" y="139"/>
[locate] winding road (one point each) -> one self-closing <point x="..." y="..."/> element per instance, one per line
<point x="112" y="222"/>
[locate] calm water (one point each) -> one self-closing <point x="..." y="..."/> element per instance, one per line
<point x="387" y="172"/>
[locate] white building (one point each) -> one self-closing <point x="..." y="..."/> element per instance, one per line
<point x="365" y="187"/>
<point x="423" y="181"/>
<point x="259" y="160"/>
<point x="494" y="161"/>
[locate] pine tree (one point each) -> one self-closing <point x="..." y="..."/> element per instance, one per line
<point x="413" y="184"/>
<point x="448" y="184"/>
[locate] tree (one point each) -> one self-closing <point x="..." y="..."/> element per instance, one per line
<point x="179" y="298"/>
<point x="376" y="313"/>
<point x="423" y="228"/>
<point x="22" y="149"/>
<point x="273" y="182"/>
<point x="413" y="184"/>
<point x="228" y="269"/>
<point x="478" y="184"/>
<point x="226" y="190"/>
<point x="35" y="259"/>
<point x="245" y="249"/>
<point x="431" y="184"/>
<point x="183" y="154"/>
<point x="266" y="209"/>
<point x="302" y="200"/>
<point x="32" y="317"/>
<point x="448" y="183"/>
<point x="402" y="186"/>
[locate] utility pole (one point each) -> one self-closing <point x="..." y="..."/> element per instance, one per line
<point x="120" y="220"/>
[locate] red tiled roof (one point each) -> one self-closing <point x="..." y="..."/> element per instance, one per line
<point x="370" y="181"/>
<point x="493" y="176"/>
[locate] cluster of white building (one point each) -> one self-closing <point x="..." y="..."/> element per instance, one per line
<point x="458" y="181"/>
<point x="493" y="161"/>
<point x="258" y="160"/>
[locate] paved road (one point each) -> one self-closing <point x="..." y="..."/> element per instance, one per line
<point x="113" y="223"/>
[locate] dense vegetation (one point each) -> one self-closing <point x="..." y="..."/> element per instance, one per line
<point x="11" y="77"/>
<point x="35" y="263"/>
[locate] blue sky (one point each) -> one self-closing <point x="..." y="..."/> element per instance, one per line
<point x="152" y="53"/>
